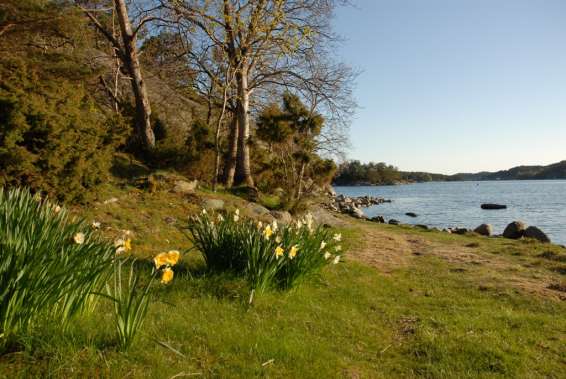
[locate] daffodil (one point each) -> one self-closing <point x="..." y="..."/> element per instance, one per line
<point x="57" y="209"/>
<point x="278" y="239"/>
<point x="220" y="218"/>
<point x="279" y="251"/>
<point x="167" y="275"/>
<point x="173" y="257"/>
<point x="79" y="238"/>
<point x="337" y="237"/>
<point x="95" y="225"/>
<point x="336" y="259"/>
<point x="236" y="216"/>
<point x="160" y="260"/>
<point x="293" y="252"/>
<point x="327" y="255"/>
<point x="267" y="232"/>
<point x="127" y="244"/>
<point x="204" y="211"/>
<point x="322" y="245"/>
<point x="274" y="225"/>
<point x="259" y="225"/>
<point x="338" y="248"/>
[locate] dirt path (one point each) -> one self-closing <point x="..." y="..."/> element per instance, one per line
<point x="391" y="249"/>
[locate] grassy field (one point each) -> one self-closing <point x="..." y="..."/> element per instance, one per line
<point x="405" y="303"/>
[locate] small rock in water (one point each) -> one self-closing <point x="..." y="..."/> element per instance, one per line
<point x="493" y="206"/>
<point x="514" y="230"/>
<point x="484" y="230"/>
<point x="536" y="233"/>
<point x="411" y="214"/>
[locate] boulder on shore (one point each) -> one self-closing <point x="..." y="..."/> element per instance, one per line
<point x="484" y="230"/>
<point x="493" y="206"/>
<point x="378" y="219"/>
<point x="411" y="214"/>
<point x="515" y="230"/>
<point x="394" y="222"/>
<point x="536" y="233"/>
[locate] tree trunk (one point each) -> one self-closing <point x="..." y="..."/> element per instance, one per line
<point x="230" y="165"/>
<point x="243" y="169"/>
<point x="300" y="184"/>
<point x="143" y="109"/>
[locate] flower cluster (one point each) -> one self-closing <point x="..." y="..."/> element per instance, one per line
<point x="165" y="261"/>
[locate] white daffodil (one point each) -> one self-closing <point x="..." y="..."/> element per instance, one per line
<point x="79" y="238"/>
<point x="336" y="259"/>
<point x="337" y="237"/>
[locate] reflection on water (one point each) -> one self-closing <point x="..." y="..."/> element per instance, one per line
<point x="457" y="204"/>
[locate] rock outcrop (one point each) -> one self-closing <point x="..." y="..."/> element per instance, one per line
<point x="536" y="233"/>
<point x="514" y="230"/>
<point x="484" y="230"/>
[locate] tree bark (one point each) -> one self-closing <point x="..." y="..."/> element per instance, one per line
<point x="143" y="109"/>
<point x="230" y="164"/>
<point x="243" y="168"/>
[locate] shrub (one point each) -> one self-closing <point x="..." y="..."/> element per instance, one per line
<point x="267" y="256"/>
<point x="53" y="137"/>
<point x="50" y="266"/>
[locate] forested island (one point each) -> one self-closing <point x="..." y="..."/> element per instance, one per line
<point x="357" y="173"/>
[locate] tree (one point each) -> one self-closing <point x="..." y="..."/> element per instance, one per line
<point x="270" y="44"/>
<point x="127" y="52"/>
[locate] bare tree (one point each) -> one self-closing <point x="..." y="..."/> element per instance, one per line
<point x="127" y="51"/>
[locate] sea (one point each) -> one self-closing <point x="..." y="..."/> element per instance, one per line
<point x="541" y="203"/>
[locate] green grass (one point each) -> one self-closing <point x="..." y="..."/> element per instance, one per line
<point x="419" y="320"/>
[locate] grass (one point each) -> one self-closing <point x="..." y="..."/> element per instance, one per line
<point x="423" y="319"/>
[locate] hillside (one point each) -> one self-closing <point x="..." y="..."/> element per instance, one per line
<point x="404" y="303"/>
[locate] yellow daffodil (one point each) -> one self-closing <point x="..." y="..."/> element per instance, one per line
<point x="167" y="275"/>
<point x="322" y="245"/>
<point x="279" y="251"/>
<point x="79" y="238"/>
<point x="337" y="237"/>
<point x="160" y="260"/>
<point x="172" y="257"/>
<point x="336" y="259"/>
<point x="293" y="252"/>
<point x="128" y="245"/>
<point x="267" y="232"/>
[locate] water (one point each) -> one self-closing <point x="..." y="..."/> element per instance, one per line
<point x="457" y="204"/>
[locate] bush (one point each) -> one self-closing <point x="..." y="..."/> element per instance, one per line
<point x="53" y="137"/>
<point x="49" y="266"/>
<point x="269" y="257"/>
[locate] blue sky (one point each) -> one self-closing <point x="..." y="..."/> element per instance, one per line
<point x="457" y="85"/>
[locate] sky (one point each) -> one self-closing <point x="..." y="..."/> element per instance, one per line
<point x="453" y="86"/>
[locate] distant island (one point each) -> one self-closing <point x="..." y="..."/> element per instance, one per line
<point x="357" y="173"/>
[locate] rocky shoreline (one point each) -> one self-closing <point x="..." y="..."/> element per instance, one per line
<point x="353" y="206"/>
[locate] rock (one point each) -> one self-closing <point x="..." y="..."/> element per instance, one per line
<point x="460" y="231"/>
<point x="411" y="214"/>
<point x="378" y="219"/>
<point x="484" y="230"/>
<point x="358" y="213"/>
<point x="514" y="230"/>
<point x="324" y="217"/>
<point x="282" y="217"/>
<point x="257" y="210"/>
<point x="422" y="226"/>
<point x="394" y="222"/>
<point x="536" y="233"/>
<point x="213" y="204"/>
<point x="493" y="206"/>
<point x="184" y="187"/>
<point x="170" y="220"/>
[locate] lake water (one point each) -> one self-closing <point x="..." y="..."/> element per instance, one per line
<point x="457" y="204"/>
